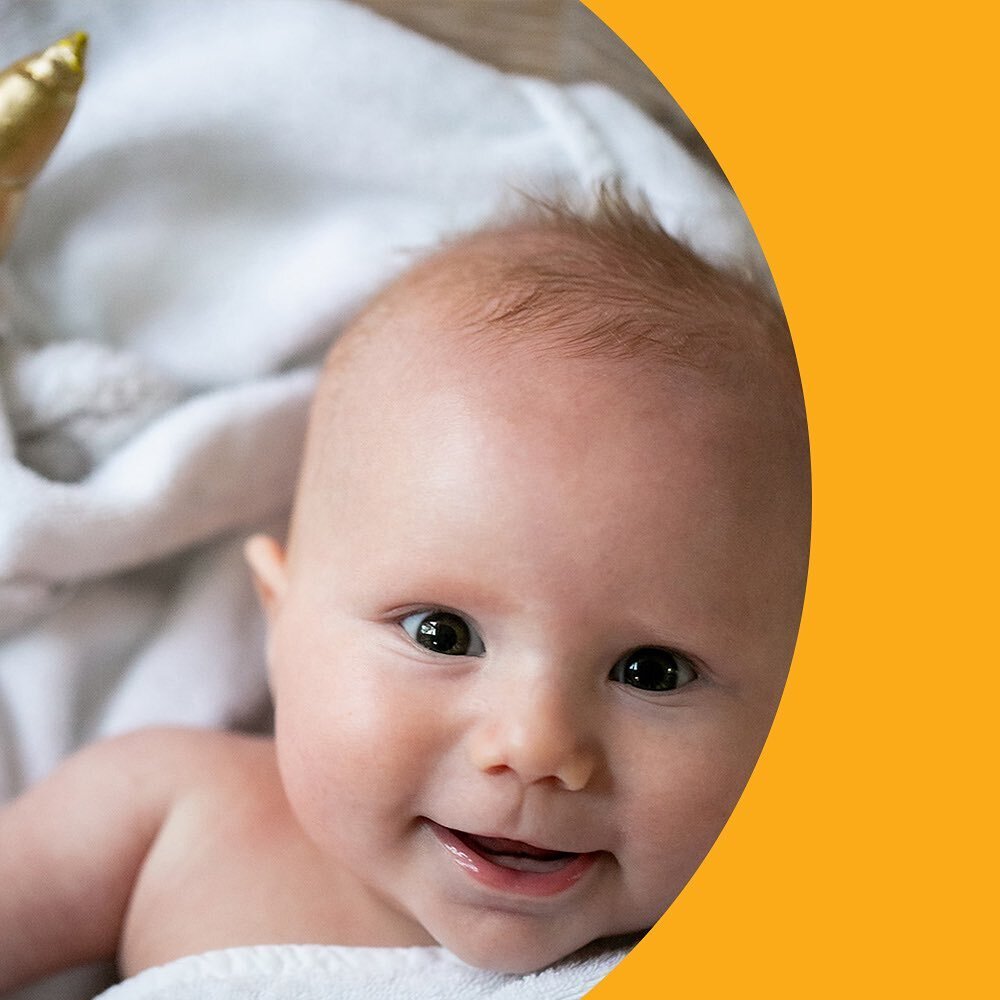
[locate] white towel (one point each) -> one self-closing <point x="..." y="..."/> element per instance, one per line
<point x="238" y="177"/>
<point x="313" y="972"/>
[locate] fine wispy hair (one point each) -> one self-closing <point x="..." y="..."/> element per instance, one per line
<point x="597" y="276"/>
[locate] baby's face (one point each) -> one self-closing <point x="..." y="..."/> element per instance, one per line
<point x="528" y="642"/>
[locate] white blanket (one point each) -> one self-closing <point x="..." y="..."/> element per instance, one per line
<point x="311" y="972"/>
<point x="239" y="176"/>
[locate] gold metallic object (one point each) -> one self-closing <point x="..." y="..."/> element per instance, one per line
<point x="37" y="96"/>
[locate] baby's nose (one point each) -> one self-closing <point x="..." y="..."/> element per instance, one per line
<point x="538" y="733"/>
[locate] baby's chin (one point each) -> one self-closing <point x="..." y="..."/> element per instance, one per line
<point x="509" y="958"/>
<point x="519" y="948"/>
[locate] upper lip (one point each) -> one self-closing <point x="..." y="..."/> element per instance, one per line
<point x="507" y="842"/>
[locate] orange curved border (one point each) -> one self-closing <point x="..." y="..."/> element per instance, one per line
<point x="857" y="138"/>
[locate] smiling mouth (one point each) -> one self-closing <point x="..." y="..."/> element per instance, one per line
<point x="515" y="854"/>
<point x="513" y="866"/>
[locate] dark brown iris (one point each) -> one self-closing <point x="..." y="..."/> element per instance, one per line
<point x="444" y="633"/>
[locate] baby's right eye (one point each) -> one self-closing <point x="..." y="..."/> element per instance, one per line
<point x="443" y="632"/>
<point x="651" y="668"/>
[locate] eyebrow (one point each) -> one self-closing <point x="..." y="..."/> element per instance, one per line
<point x="450" y="592"/>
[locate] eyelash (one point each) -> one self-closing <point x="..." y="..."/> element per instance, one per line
<point x="671" y="671"/>
<point x="454" y="630"/>
<point x="653" y="670"/>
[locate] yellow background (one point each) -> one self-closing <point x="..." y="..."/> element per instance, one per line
<point x="859" y="138"/>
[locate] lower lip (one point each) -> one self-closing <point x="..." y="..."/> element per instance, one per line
<point x="509" y="880"/>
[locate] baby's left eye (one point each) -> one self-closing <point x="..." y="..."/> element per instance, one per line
<point x="651" y="668"/>
<point x="443" y="632"/>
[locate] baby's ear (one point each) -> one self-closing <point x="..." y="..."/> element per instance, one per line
<point x="266" y="559"/>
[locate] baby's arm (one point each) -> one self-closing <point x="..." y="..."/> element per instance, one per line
<point x="72" y="847"/>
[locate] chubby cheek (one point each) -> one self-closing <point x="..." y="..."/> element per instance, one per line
<point x="677" y="807"/>
<point x="350" y="740"/>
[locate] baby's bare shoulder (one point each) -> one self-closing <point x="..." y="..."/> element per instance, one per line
<point x="200" y="779"/>
<point x="219" y="871"/>
<point x="158" y="768"/>
<point x="206" y="773"/>
<point x="179" y="758"/>
<point x="73" y="846"/>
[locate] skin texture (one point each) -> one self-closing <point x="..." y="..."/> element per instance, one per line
<point x="571" y="510"/>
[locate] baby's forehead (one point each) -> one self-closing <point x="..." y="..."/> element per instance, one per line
<point x="420" y="439"/>
<point x="574" y="307"/>
<point x="423" y="383"/>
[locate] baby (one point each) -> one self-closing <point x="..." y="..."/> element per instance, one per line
<point x="536" y="609"/>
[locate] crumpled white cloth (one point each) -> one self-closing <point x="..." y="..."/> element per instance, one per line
<point x="238" y="177"/>
<point x="312" y="972"/>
